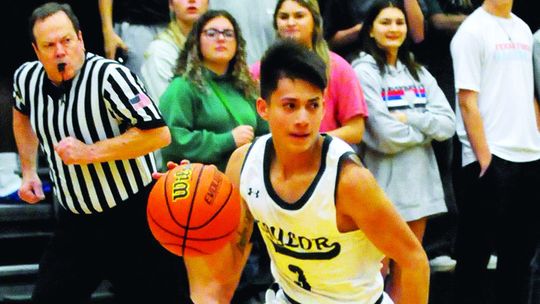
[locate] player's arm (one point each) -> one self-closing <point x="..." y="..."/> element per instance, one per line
<point x="27" y="145"/>
<point x="214" y="278"/>
<point x="363" y="205"/>
<point x="131" y="144"/>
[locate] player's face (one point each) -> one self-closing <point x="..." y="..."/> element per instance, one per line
<point x="294" y="114"/>
<point x="295" y="22"/>
<point x="389" y="29"/>
<point x="218" y="42"/>
<point x="188" y="11"/>
<point x="57" y="42"/>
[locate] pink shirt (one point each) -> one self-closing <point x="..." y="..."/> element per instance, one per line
<point x="344" y="96"/>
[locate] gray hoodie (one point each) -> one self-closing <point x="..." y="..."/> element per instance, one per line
<point x="399" y="154"/>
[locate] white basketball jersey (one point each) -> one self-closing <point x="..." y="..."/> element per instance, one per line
<point x="311" y="260"/>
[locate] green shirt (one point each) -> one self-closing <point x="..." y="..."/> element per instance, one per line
<point x="199" y="122"/>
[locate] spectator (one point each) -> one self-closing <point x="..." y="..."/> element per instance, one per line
<point x="442" y="20"/>
<point x="407" y="111"/>
<point x="343" y="21"/>
<point x="161" y="56"/>
<point x="97" y="129"/>
<point x="345" y="106"/>
<point x="129" y="27"/>
<point x="498" y="129"/>
<point x="534" y="295"/>
<point x="210" y="106"/>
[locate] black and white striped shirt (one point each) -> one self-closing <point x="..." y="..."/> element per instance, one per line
<point x="101" y="102"/>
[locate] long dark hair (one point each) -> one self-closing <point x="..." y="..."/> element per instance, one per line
<point x="190" y="61"/>
<point x="369" y="45"/>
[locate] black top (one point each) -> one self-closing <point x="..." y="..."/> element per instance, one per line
<point x="141" y="11"/>
<point x="340" y="15"/>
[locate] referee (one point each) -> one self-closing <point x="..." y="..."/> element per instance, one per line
<point x="97" y="127"/>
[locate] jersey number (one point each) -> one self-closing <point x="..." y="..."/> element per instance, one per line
<point x="302" y="282"/>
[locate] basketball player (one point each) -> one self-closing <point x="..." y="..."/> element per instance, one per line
<point x="325" y="221"/>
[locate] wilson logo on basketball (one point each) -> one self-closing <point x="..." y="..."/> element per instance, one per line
<point x="180" y="188"/>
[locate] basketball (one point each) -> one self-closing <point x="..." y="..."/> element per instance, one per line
<point x="193" y="210"/>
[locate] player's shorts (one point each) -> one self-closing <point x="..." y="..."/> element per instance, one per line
<point x="282" y="298"/>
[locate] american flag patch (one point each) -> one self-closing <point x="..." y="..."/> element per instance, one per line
<point x="140" y="101"/>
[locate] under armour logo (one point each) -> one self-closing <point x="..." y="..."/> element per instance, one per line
<point x="250" y="191"/>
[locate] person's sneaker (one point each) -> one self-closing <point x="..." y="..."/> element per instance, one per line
<point x="492" y="264"/>
<point x="442" y="263"/>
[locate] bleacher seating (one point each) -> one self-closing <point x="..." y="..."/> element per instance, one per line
<point x="24" y="232"/>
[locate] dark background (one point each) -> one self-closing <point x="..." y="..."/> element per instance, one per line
<point x="16" y="47"/>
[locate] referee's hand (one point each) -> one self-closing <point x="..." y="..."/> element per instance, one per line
<point x="73" y="151"/>
<point x="31" y="190"/>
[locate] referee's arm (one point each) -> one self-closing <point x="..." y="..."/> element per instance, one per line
<point x="27" y="146"/>
<point x="133" y="143"/>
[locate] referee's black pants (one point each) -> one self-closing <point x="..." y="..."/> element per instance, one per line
<point x="116" y="245"/>
<point x="497" y="212"/>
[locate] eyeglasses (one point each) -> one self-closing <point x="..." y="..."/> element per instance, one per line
<point x="213" y="33"/>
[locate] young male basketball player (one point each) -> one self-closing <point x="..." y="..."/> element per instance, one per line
<point x="325" y="221"/>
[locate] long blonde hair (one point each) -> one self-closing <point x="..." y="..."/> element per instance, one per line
<point x="317" y="39"/>
<point x="173" y="34"/>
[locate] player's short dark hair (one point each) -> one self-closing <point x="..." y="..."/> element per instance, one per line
<point x="288" y="59"/>
<point x="51" y="8"/>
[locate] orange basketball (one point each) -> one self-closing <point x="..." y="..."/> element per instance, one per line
<point x="193" y="210"/>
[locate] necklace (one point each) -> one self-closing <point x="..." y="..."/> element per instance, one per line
<point x="503" y="27"/>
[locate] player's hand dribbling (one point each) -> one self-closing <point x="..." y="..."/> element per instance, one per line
<point x="170" y="165"/>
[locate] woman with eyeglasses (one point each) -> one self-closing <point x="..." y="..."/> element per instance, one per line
<point x="345" y="108"/>
<point x="408" y="110"/>
<point x="210" y="105"/>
